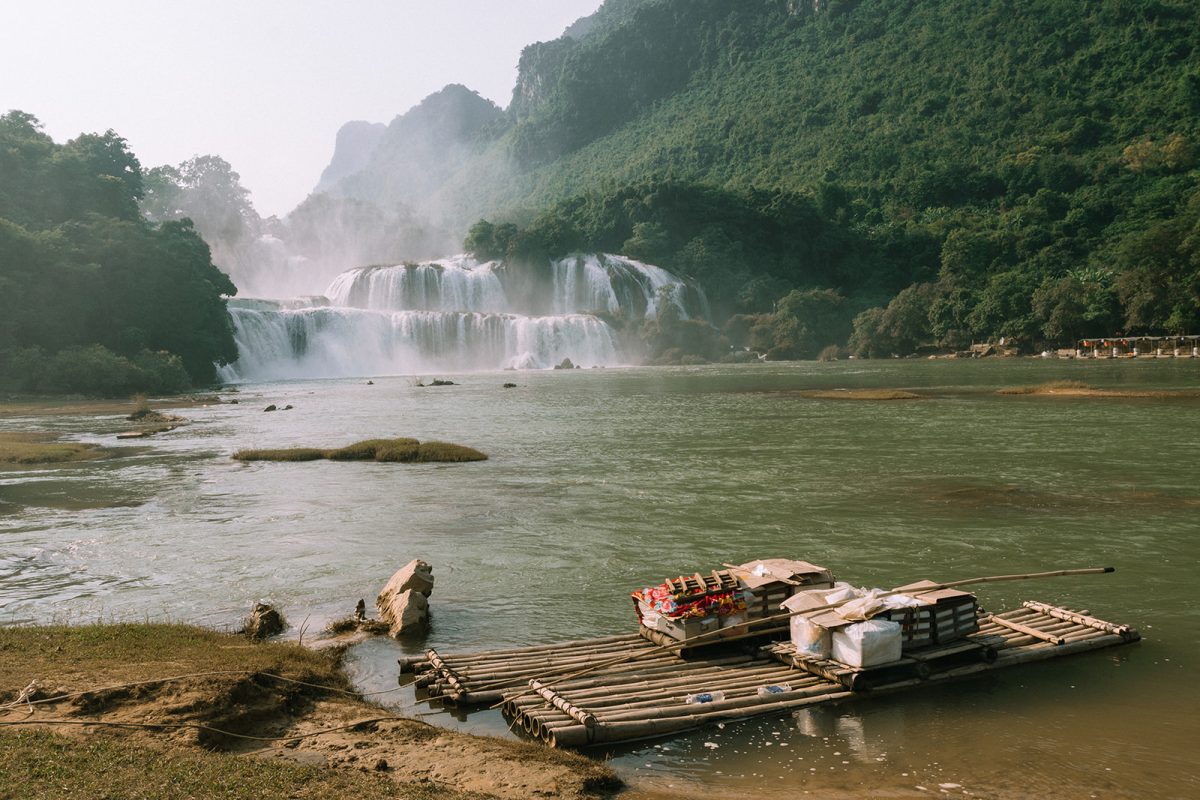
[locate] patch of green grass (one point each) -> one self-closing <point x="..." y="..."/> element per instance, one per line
<point x="446" y="452"/>
<point x="289" y="454"/>
<point x="54" y="767"/>
<point x="41" y="448"/>
<point x="369" y="449"/>
<point x="82" y="657"/>
<point x="402" y="451"/>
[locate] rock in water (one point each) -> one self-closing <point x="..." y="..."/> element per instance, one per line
<point x="402" y="603"/>
<point x="264" y="621"/>
<point x="408" y="613"/>
<point x="566" y="364"/>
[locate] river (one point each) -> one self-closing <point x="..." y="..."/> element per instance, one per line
<point x="602" y="481"/>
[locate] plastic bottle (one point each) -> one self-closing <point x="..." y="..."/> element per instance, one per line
<point x="705" y="697"/>
<point x="775" y="688"/>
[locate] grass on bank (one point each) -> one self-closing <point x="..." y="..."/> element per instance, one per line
<point x="54" y="767"/>
<point x="29" y="449"/>
<point x="77" y="762"/>
<point x="405" y="451"/>
<point x="81" y="657"/>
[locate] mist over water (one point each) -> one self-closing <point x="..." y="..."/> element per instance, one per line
<point x="459" y="315"/>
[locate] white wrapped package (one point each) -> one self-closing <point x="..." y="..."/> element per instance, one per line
<point x="810" y="639"/>
<point x="866" y="644"/>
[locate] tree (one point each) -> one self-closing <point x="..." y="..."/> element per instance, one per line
<point x="806" y="322"/>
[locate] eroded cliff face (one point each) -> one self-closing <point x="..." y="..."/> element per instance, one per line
<point x="417" y="152"/>
<point x="356" y="142"/>
<point x="537" y="75"/>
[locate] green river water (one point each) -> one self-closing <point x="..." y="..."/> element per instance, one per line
<point x="602" y="481"/>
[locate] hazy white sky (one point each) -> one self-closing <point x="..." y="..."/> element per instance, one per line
<point x="263" y="83"/>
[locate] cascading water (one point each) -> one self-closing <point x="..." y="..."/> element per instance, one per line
<point x="455" y="315"/>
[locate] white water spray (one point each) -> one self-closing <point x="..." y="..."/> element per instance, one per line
<point x="453" y="315"/>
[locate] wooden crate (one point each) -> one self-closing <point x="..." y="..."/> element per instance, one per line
<point x="948" y="615"/>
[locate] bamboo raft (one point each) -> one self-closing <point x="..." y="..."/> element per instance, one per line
<point x="642" y="694"/>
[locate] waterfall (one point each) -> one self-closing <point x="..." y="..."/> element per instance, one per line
<point x="454" y="315"/>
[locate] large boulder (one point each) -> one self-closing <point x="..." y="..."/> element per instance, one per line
<point x="402" y="604"/>
<point x="408" y="613"/>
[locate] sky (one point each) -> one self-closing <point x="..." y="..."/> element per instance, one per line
<point x="265" y="84"/>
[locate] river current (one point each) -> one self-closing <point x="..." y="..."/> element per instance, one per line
<point x="603" y="481"/>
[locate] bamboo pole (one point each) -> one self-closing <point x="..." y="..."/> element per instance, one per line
<point x="897" y="590"/>
<point x="1028" y="631"/>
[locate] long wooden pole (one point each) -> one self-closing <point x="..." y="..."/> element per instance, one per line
<point x="776" y="617"/>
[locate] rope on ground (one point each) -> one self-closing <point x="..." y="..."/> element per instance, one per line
<point x="157" y="726"/>
<point x="27" y="692"/>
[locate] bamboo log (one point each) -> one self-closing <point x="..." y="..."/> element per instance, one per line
<point x="500" y="670"/>
<point x="1078" y="618"/>
<point x="1029" y="631"/>
<point x="678" y="693"/>
<point x="604" y="694"/>
<point x="411" y="663"/>
<point x="578" y="736"/>
<point x="576" y="713"/>
<point x="631" y="638"/>
<point x="618" y="667"/>
<point x="558" y="654"/>
<point x="689" y="679"/>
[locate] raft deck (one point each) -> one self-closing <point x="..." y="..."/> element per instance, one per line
<point x="645" y="697"/>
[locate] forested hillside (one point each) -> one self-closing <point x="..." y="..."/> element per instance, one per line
<point x="94" y="299"/>
<point x="966" y="170"/>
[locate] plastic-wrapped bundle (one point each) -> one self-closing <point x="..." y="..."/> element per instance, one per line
<point x="866" y="644"/>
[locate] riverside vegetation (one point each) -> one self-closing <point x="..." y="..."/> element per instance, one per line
<point x="867" y="174"/>
<point x="94" y="299"/>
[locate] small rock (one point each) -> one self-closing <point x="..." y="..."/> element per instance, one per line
<point x="271" y="407"/>
<point x="287" y="408"/>
<point x="233" y="401"/>
<point x="566" y="364"/>
<point x="440" y="382"/>
<point x="510" y="386"/>
<point x="264" y="621"/>
<point x="381" y="765"/>
<point x="370" y="383"/>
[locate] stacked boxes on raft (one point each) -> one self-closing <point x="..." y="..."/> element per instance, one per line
<point x="871" y="627"/>
<point x="945" y="616"/>
<point x="692" y="606"/>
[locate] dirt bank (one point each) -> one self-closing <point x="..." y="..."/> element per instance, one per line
<point x="96" y="697"/>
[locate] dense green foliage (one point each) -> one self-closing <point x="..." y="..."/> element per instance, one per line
<point x="93" y="299"/>
<point x="960" y="171"/>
